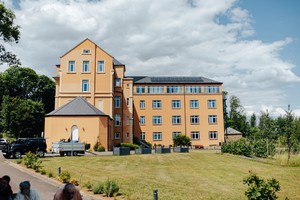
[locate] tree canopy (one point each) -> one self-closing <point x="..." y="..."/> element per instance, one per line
<point x="9" y="32"/>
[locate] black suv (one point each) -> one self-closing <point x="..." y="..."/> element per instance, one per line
<point x="23" y="145"/>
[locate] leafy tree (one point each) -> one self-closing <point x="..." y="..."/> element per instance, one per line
<point x="182" y="140"/>
<point x="253" y="120"/>
<point x="22" y="117"/>
<point x="9" y="32"/>
<point x="260" y="189"/>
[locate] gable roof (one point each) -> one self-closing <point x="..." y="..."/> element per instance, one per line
<point x="77" y="107"/>
<point x="231" y="131"/>
<point x="172" y="79"/>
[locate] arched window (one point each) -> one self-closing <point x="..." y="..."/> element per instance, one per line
<point x="74" y="133"/>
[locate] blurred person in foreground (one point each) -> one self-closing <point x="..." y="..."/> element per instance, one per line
<point x="68" y="192"/>
<point x="6" y="192"/>
<point x="26" y="193"/>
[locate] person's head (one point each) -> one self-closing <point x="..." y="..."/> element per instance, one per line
<point x="25" y="187"/>
<point x="69" y="191"/>
<point x="3" y="184"/>
<point x="7" y="178"/>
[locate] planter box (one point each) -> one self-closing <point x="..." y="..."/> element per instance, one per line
<point x="181" y="149"/>
<point x="143" y="151"/>
<point x="162" y="150"/>
<point x="121" y="151"/>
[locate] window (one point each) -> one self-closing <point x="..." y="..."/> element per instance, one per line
<point x="117" y="119"/>
<point x="157" y="120"/>
<point x="142" y="104"/>
<point x="175" y="103"/>
<point x="142" y="120"/>
<point x="71" y="67"/>
<point x="142" y="136"/>
<point x="117" y="82"/>
<point x="86" y="51"/>
<point x="176" y="119"/>
<point x="211" y="89"/>
<point x="194" y="104"/>
<point x="117" y="135"/>
<point x="85" y="86"/>
<point x="193" y="89"/>
<point x="127" y="120"/>
<point x="155" y="89"/>
<point x="117" y="102"/>
<point x="212" y="119"/>
<point x="213" y="135"/>
<point x="195" y="135"/>
<point x="100" y="66"/>
<point x="127" y="135"/>
<point x="140" y="89"/>
<point x="157" y="135"/>
<point x="174" y="89"/>
<point x="194" y="119"/>
<point x="86" y="66"/>
<point x="127" y="101"/>
<point x="211" y="104"/>
<point x="174" y="134"/>
<point x="156" y="104"/>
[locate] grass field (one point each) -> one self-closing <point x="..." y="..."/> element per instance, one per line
<point x="177" y="176"/>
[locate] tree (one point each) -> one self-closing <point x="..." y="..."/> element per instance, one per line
<point x="22" y="117"/>
<point x="182" y="140"/>
<point x="8" y="33"/>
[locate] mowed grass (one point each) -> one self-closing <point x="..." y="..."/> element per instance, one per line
<point x="177" y="176"/>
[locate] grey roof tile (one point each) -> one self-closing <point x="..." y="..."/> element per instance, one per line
<point x="77" y="107"/>
<point x="172" y="79"/>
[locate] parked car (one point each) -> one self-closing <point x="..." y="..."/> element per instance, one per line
<point x="3" y="141"/>
<point x="21" y="146"/>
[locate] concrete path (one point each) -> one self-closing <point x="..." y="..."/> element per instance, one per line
<point x="44" y="185"/>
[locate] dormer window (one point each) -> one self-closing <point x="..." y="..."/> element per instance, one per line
<point x="86" y="51"/>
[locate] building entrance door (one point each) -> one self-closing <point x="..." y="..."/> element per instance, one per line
<point x="74" y="136"/>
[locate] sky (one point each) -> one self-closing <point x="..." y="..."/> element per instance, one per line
<point x="249" y="45"/>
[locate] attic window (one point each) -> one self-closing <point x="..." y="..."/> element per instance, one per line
<point x="86" y="51"/>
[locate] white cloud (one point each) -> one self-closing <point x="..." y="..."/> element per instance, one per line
<point x="164" y="37"/>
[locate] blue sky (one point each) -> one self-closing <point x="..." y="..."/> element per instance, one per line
<point x="250" y="45"/>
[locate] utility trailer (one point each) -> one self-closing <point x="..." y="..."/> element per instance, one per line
<point x="68" y="148"/>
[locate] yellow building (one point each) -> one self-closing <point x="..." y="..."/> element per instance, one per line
<point x="96" y="103"/>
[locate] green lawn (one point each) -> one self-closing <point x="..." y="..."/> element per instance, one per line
<point x="177" y="176"/>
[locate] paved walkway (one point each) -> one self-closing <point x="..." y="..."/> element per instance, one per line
<point x="44" y="185"/>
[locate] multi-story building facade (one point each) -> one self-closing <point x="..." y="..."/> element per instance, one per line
<point x="96" y="103"/>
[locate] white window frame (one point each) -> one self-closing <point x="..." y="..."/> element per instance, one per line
<point x="85" y="66"/>
<point x="212" y="119"/>
<point x="174" y="89"/>
<point x="117" y="135"/>
<point x="194" y="119"/>
<point x="213" y="135"/>
<point x="71" y="66"/>
<point x="211" y="89"/>
<point x="100" y="66"/>
<point x="176" y="119"/>
<point x="142" y="136"/>
<point x="155" y="89"/>
<point x="142" y="104"/>
<point x="140" y="89"/>
<point x="193" y="89"/>
<point x="195" y="135"/>
<point x="157" y="120"/>
<point x="174" y="134"/>
<point x="176" y="104"/>
<point x="194" y="103"/>
<point x="118" y="82"/>
<point x="142" y="120"/>
<point x="156" y="104"/>
<point x="117" y="102"/>
<point x="211" y="103"/>
<point x="157" y="136"/>
<point x="117" y="120"/>
<point x="85" y="86"/>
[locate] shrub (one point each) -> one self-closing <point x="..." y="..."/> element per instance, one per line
<point x="132" y="146"/>
<point x="87" y="146"/>
<point x="100" y="148"/>
<point x="19" y="161"/>
<point x="88" y="185"/>
<point x="263" y="149"/>
<point x="239" y="147"/>
<point x="65" y="176"/>
<point x="98" y="189"/>
<point x="43" y="171"/>
<point x="74" y="182"/>
<point x="31" y="160"/>
<point x="182" y="140"/>
<point x="261" y="189"/>
<point x="50" y="174"/>
<point x="110" y="188"/>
